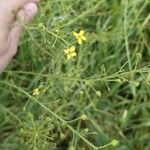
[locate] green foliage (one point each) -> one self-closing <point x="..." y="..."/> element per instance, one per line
<point x="99" y="99"/>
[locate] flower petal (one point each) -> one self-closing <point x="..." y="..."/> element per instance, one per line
<point x="75" y="34"/>
<point x="80" y="41"/>
<point x="83" y="38"/>
<point x="66" y="51"/>
<point x="68" y="56"/>
<point x="72" y="49"/>
<point x="73" y="54"/>
<point x="81" y="32"/>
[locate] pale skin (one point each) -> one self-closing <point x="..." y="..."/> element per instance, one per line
<point x="13" y="15"/>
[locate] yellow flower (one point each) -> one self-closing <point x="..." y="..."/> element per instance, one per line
<point x="70" y="52"/>
<point x="36" y="92"/>
<point x="80" y="36"/>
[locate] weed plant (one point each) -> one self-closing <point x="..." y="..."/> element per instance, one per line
<point x="66" y="91"/>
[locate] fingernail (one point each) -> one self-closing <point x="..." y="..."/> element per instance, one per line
<point x="31" y="10"/>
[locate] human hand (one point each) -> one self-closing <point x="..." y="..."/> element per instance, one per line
<point x="13" y="15"/>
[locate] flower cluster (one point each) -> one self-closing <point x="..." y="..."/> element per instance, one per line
<point x="71" y="52"/>
<point x="80" y="36"/>
<point x="36" y="92"/>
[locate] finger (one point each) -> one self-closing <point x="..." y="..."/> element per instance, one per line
<point x="25" y="15"/>
<point x="7" y="16"/>
<point x="14" y="5"/>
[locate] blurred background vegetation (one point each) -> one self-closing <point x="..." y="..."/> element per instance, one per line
<point x="99" y="99"/>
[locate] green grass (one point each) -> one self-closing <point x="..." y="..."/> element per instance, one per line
<point x="108" y="81"/>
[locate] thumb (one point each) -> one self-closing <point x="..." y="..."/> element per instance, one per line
<point x="25" y="15"/>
